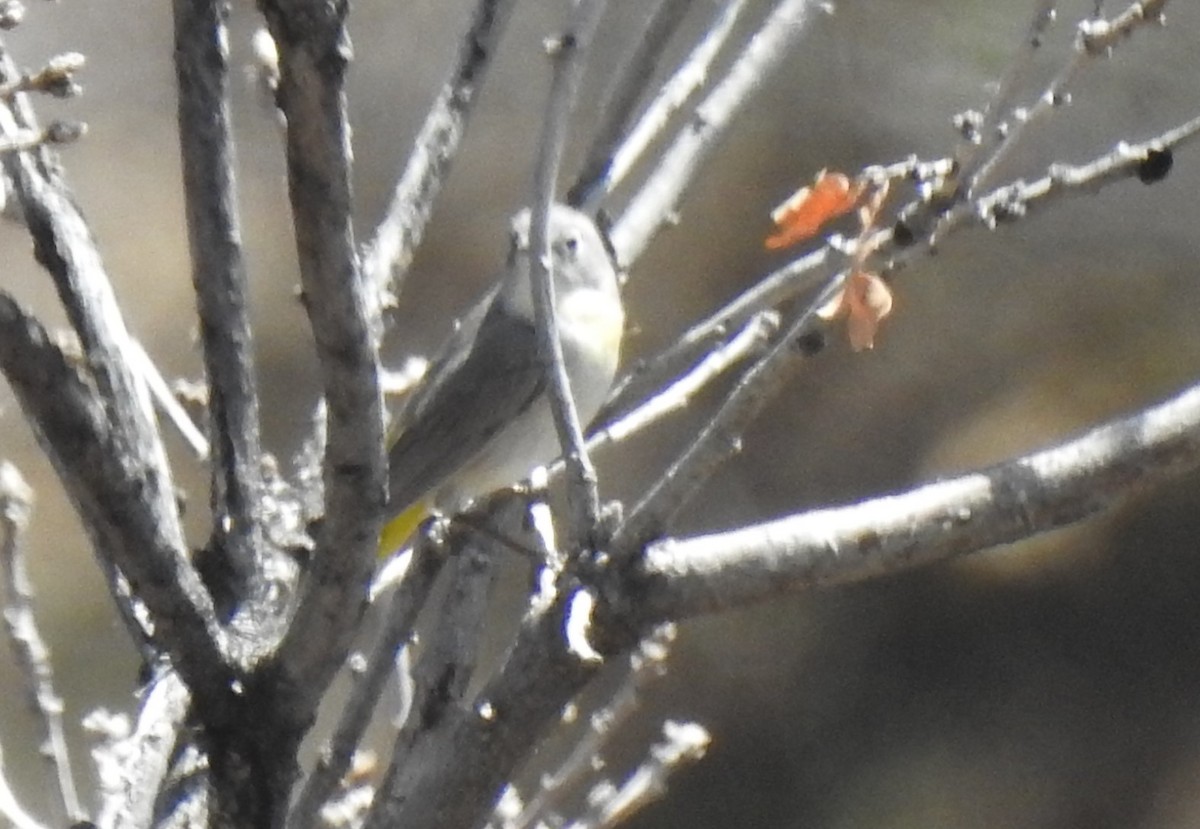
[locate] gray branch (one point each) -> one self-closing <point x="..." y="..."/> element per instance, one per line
<point x="635" y="73"/>
<point x="33" y="657"/>
<point x="658" y="197"/>
<point x="390" y="251"/>
<point x="314" y="51"/>
<point x="459" y="764"/>
<point x="567" y="55"/>
<point x="109" y="492"/>
<point x="134" y="768"/>
<point x="219" y="277"/>
<point x="1005" y="503"/>
<point x="403" y="607"/>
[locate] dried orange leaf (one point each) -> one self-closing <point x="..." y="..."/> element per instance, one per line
<point x="802" y="215"/>
<point x="868" y="300"/>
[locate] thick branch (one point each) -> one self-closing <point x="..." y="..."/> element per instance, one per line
<point x="1005" y="503"/>
<point x="109" y="492"/>
<point x="124" y="494"/>
<point x="314" y="50"/>
<point x="458" y="766"/>
<point x="218" y="273"/>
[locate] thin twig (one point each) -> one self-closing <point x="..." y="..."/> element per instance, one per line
<point x="655" y="203"/>
<point x="16" y="506"/>
<point x="1125" y="161"/>
<point x="59" y="132"/>
<point x="168" y="404"/>
<point x="388" y="254"/>
<point x="567" y="53"/>
<point x="676" y="396"/>
<point x="645" y="664"/>
<point x="1008" y="502"/>
<point x="1095" y="38"/>
<point x="682" y="743"/>
<point x="719" y="438"/>
<point x="689" y="77"/>
<point x="219" y="277"/>
<point x="634" y="74"/>
<point x="1148" y="161"/>
<point x="56" y="78"/>
<point x="770" y="292"/>
<point x="11" y="809"/>
<point x="980" y="133"/>
<point x="423" y="567"/>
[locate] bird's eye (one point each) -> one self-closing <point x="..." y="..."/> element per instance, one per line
<point x="571" y="244"/>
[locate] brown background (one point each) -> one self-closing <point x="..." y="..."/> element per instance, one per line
<point x="1054" y="684"/>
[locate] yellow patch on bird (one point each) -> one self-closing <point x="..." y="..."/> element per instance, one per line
<point x="401" y="528"/>
<point x="599" y="321"/>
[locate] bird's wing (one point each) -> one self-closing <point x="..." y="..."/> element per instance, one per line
<point x="489" y="384"/>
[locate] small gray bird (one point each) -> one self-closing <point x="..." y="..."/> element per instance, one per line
<point x="481" y="419"/>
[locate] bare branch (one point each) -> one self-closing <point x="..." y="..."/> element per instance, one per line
<point x="56" y="78"/>
<point x="676" y="92"/>
<point x="219" y="277"/>
<point x="313" y="50"/>
<point x="1095" y="38"/>
<point x="166" y="401"/>
<point x="635" y="73"/>
<point x="682" y="743"/>
<point x="676" y="396"/>
<point x="16" y="505"/>
<point x="59" y="132"/>
<point x="1148" y="161"/>
<point x="981" y="132"/>
<point x="133" y="765"/>
<point x="554" y="786"/>
<point x="1005" y="503"/>
<point x="567" y="54"/>
<point x="448" y="659"/>
<point x="63" y="245"/>
<point x="657" y="199"/>
<point x="459" y="764"/>
<point x="424" y="565"/>
<point x="390" y="251"/>
<point x="770" y="292"/>
<point x="110" y="494"/>
<point x="719" y="438"/>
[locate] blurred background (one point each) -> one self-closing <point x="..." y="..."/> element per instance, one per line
<point x="1054" y="683"/>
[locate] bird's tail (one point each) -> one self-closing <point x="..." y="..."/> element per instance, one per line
<point x="399" y="529"/>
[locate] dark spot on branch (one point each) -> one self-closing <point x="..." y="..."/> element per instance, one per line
<point x="1155" y="166"/>
<point x="811" y="343"/>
